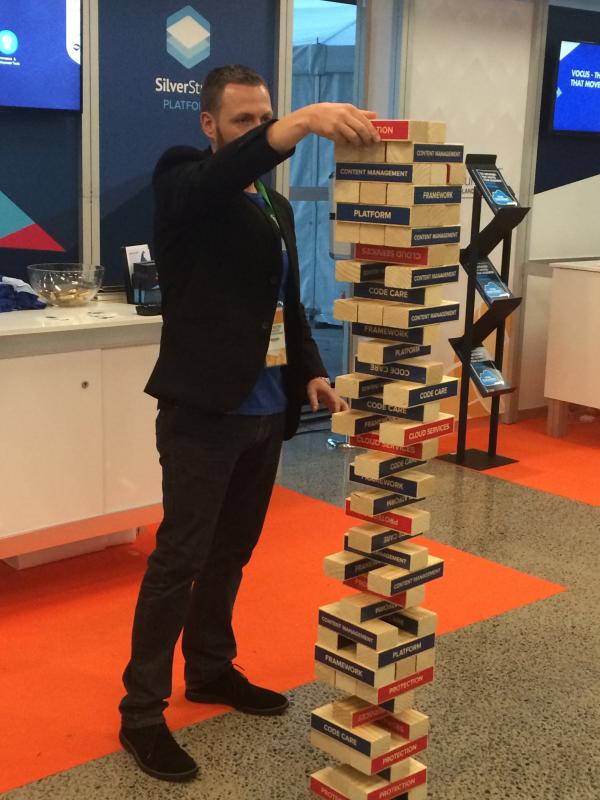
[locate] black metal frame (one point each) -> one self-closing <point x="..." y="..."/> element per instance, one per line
<point x="482" y="242"/>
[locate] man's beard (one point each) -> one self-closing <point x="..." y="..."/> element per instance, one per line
<point x="219" y="140"/>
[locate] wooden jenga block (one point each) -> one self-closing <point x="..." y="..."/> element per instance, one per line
<point x="347" y="423"/>
<point x="400" y="769"/>
<point x="357" y="271"/>
<point x="406" y="667"/>
<point x="416" y="621"/>
<point x="374" y="173"/>
<point x="330" y="639"/>
<point x="345" y="565"/>
<point x="345" y="683"/>
<point x="405" y="555"/>
<point x="354" y="785"/>
<point x="422" y="450"/>
<point x="409" y="520"/>
<point x="382" y="351"/>
<point x="352" y="712"/>
<point x="420" y="369"/>
<point x="407" y="194"/>
<point x="435" y="215"/>
<point x="436" y="255"/>
<point x="388" y="581"/>
<point x="370" y="312"/>
<point x="380" y="465"/>
<point x="377" y="290"/>
<point x="405" y="316"/>
<point x="371" y="234"/>
<point x="424" y="336"/>
<point x="411" y="393"/>
<point x="349" y="748"/>
<point x="421" y="174"/>
<point x="345" y="661"/>
<point x="347" y="192"/>
<point x="381" y="694"/>
<point x="376" y="501"/>
<point x="374" y="404"/>
<point x="345" y="309"/>
<point x="457" y="174"/>
<point x="325" y="674"/>
<point x="411" y="483"/>
<point x="372" y="192"/>
<point x="374" y="633"/>
<point x="401" y="433"/>
<point x="426" y="660"/>
<point x="393" y="130"/>
<point x="347" y="232"/>
<point x="397" y="236"/>
<point x="399" y="704"/>
<point x="409" y="723"/>
<point x="428" y="174"/>
<point x="371" y="154"/>
<point x="394" y="315"/>
<point x="408" y="389"/>
<point x="403" y="277"/>
<point x="355" y="385"/>
<point x="391" y="174"/>
<point x="407" y="647"/>
<point x="424" y="152"/>
<point x="369" y="537"/>
<point x="400" y="719"/>
<point x="425" y="215"/>
<point x="368" y="739"/>
<point x="363" y="606"/>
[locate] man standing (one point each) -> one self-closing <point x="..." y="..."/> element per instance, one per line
<point x="228" y="269"/>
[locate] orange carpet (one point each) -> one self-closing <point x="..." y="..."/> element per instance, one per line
<point x="569" y="466"/>
<point x="65" y="631"/>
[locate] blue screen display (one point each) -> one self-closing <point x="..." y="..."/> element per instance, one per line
<point x="40" y="54"/>
<point x="577" y="102"/>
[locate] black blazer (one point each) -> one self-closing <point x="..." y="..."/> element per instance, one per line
<point x="219" y="266"/>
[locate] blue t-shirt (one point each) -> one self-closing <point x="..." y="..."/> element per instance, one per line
<point x="268" y="395"/>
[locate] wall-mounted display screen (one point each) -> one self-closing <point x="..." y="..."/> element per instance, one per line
<point x="577" y="100"/>
<point x="40" y="54"/>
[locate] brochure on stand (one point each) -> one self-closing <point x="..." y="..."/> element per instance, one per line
<point x="489" y="284"/>
<point x="494" y="188"/>
<point x="485" y="374"/>
<point x="490" y="182"/>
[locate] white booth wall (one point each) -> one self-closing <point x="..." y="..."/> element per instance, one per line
<point x="478" y="64"/>
<point x="468" y="63"/>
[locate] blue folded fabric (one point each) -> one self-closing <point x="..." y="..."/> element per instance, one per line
<point x="16" y="295"/>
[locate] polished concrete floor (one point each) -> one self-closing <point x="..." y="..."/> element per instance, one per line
<point x="515" y="707"/>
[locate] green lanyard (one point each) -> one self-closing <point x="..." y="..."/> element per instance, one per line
<point x="263" y="193"/>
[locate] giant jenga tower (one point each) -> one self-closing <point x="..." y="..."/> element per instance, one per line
<point x="398" y="203"/>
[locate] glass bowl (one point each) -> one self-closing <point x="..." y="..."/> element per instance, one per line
<point x="65" y="284"/>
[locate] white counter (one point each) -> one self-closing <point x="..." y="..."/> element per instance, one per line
<point x="77" y="449"/>
<point x="572" y="373"/>
<point x="55" y="330"/>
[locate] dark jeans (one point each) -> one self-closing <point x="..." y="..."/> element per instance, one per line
<point x="218" y="474"/>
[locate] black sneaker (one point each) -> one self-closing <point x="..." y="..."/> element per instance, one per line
<point x="157" y="753"/>
<point x="233" y="689"/>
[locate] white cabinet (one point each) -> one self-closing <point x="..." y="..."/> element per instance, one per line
<point x="131" y="469"/>
<point x="572" y="374"/>
<point x="78" y="462"/>
<point x="51" y="440"/>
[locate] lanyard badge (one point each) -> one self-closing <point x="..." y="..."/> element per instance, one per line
<point x="276" y="352"/>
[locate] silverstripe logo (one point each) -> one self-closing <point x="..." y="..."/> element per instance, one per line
<point x="188" y="37"/>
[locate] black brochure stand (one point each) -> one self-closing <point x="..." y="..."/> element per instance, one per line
<point x="477" y="365"/>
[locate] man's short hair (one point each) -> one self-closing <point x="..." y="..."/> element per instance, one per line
<point x="218" y="78"/>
